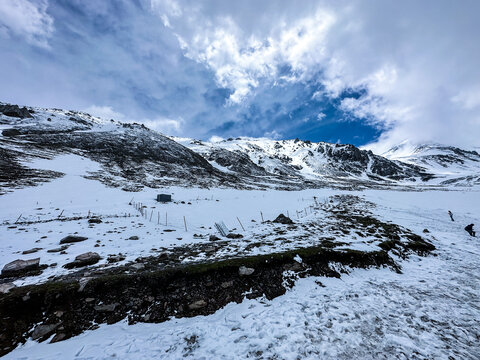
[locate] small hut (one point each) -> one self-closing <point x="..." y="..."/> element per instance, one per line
<point x="164" y="198"/>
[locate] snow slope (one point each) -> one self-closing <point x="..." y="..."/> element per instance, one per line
<point x="451" y="165"/>
<point x="430" y="311"/>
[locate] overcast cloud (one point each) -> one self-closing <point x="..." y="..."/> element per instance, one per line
<point x="365" y="72"/>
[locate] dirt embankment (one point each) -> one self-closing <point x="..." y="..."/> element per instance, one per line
<point x="67" y="308"/>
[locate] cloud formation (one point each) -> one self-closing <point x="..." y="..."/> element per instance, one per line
<point x="22" y="18"/>
<point x="415" y="62"/>
<point x="364" y="72"/>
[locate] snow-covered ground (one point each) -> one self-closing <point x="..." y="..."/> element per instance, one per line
<point x="430" y="311"/>
<point x="188" y="220"/>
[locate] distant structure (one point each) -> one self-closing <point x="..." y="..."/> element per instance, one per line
<point x="164" y="198"/>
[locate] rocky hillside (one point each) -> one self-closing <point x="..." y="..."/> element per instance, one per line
<point x="304" y="159"/>
<point x="132" y="156"/>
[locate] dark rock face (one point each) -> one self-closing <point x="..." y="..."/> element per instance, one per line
<point x="11" y="132"/>
<point x="282" y="219"/>
<point x="236" y="161"/>
<point x="14" y="111"/>
<point x="88" y="258"/>
<point x="21" y="267"/>
<point x="72" y="239"/>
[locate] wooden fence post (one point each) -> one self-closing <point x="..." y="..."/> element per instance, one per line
<point x="240" y="223"/>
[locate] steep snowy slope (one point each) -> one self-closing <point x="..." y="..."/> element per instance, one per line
<point x="304" y="159"/>
<point x="451" y="165"/>
<point x="131" y="155"/>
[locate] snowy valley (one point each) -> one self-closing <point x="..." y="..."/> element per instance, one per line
<point x="364" y="263"/>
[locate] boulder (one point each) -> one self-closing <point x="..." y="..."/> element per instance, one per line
<point x="21" y="267"/>
<point x="31" y="251"/>
<point x="133" y="237"/>
<point x="105" y="307"/>
<point x="282" y="219"/>
<point x="234" y="236"/>
<point x="213" y="238"/>
<point x="88" y="258"/>
<point x="245" y="271"/>
<point x="95" y="221"/>
<point x="42" y="331"/>
<point x="59" y="249"/>
<point x="197" y="305"/>
<point x="72" y="239"/>
<point x="5" y="288"/>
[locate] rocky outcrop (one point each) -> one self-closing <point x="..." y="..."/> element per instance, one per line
<point x="14" y="111"/>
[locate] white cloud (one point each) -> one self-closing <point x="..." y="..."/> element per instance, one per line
<point x="161" y="124"/>
<point x="28" y="19"/>
<point x="104" y="112"/>
<point x="273" y="135"/>
<point x="418" y="67"/>
<point x="216" y="139"/>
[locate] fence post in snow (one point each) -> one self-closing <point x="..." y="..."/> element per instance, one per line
<point x="151" y="214"/>
<point x="240" y="223"/>
<point x="18" y="218"/>
<point x="185" y="223"/>
<point x="166" y="217"/>
<point x="288" y="214"/>
<point x="158" y="220"/>
<point x="61" y="214"/>
<point x="261" y="214"/>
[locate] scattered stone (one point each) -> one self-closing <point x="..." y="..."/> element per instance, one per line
<point x="42" y="331"/>
<point x="426" y="231"/>
<point x="95" y="221"/>
<point x="245" y="271"/>
<point x="138" y="266"/>
<point x="6" y="287"/>
<point x="89" y="300"/>
<point x="58" y="337"/>
<point x="115" y="258"/>
<point x="82" y="283"/>
<point x="72" y="239"/>
<point x="133" y="238"/>
<point x="168" y="230"/>
<point x="59" y="313"/>
<point x="21" y="267"/>
<point x="106" y="307"/>
<point x="197" y="305"/>
<point x="88" y="258"/>
<point x="282" y="219"/>
<point x="31" y="251"/>
<point x="226" y="284"/>
<point x="213" y="238"/>
<point x="234" y="236"/>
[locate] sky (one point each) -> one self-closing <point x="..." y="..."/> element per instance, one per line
<point x="369" y="73"/>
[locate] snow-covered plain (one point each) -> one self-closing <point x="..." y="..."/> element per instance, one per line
<point x="430" y="311"/>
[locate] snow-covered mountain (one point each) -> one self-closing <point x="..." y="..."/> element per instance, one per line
<point x="303" y="159"/>
<point x="132" y="156"/>
<point x="451" y="165"/>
